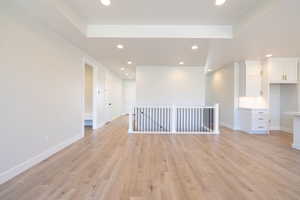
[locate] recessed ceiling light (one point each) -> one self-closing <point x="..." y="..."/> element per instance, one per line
<point x="129" y="62"/>
<point x="126" y="74"/>
<point x="269" y="55"/>
<point x="122" y="69"/>
<point x="181" y="63"/>
<point x="220" y="2"/>
<point x="195" y="47"/>
<point x="106" y="2"/>
<point x="209" y="70"/>
<point x="120" y="46"/>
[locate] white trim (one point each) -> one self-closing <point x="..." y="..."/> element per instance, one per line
<point x="227" y="125"/>
<point x="115" y="117"/>
<point x="275" y="128"/>
<point x="160" y="31"/>
<point x="287" y="129"/>
<point x="18" y="169"/>
<point x="257" y="132"/>
<point x="100" y="125"/>
<point x="296" y="146"/>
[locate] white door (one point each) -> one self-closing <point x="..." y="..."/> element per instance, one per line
<point x="291" y="70"/>
<point x="108" y="106"/>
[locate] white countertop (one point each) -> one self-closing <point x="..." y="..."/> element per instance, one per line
<point x="297" y="114"/>
<point x="253" y="108"/>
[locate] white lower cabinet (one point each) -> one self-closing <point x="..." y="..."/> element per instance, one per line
<point x="254" y="121"/>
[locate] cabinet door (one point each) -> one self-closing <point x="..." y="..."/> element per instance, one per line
<point x="253" y="79"/>
<point x="283" y="70"/>
<point x="276" y="70"/>
<point x="291" y="70"/>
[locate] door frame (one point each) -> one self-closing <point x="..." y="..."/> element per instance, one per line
<point x="90" y="62"/>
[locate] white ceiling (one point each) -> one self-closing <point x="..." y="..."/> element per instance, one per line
<point x="158" y="12"/>
<point x="179" y="12"/>
<point x="148" y="52"/>
<point x="261" y="27"/>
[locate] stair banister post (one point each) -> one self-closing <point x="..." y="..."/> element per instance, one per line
<point x="216" y="119"/>
<point x="174" y="120"/>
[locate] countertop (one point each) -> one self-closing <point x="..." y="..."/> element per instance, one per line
<point x="253" y="108"/>
<point x="296" y="114"/>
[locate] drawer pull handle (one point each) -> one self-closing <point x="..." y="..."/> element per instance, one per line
<point x="261" y="127"/>
<point x="260" y="119"/>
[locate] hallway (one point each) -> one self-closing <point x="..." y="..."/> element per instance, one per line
<point x="109" y="165"/>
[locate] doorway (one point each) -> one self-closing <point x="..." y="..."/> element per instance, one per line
<point x="88" y="99"/>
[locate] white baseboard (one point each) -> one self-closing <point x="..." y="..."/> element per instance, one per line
<point x="296" y="146"/>
<point x="275" y="128"/>
<point x="286" y="129"/>
<point x="116" y="117"/>
<point x="100" y="125"/>
<point x="227" y="125"/>
<point x="14" y="171"/>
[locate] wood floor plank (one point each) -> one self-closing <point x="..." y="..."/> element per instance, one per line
<point x="109" y="164"/>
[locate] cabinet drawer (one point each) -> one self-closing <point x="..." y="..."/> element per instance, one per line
<point x="260" y="112"/>
<point x="260" y="118"/>
<point x="260" y="128"/>
<point x="260" y="123"/>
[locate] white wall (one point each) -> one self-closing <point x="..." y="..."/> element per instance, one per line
<point x="113" y="95"/>
<point x="42" y="92"/>
<point x="275" y="106"/>
<point x="165" y="85"/>
<point x="41" y="84"/>
<point x="220" y="88"/>
<point x="288" y="104"/>
<point x="129" y="95"/>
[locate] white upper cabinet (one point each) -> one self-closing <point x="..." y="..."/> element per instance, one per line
<point x="283" y="70"/>
<point x="250" y="79"/>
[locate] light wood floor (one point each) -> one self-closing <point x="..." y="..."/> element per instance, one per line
<point x="111" y="165"/>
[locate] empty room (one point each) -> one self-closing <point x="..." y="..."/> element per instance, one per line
<point x="150" y="100"/>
